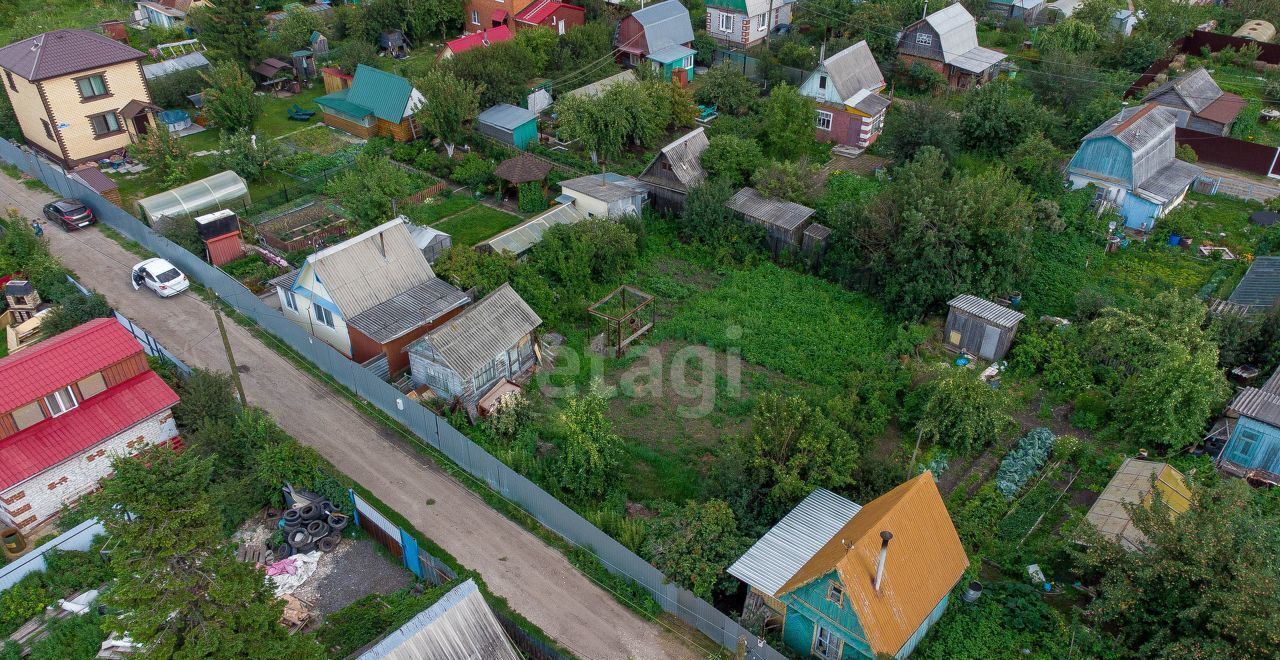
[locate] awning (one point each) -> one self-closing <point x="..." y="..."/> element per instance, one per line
<point x="135" y="107"/>
<point x="499" y="16"/>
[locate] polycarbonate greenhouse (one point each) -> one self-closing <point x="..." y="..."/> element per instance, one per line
<point x="220" y="190"/>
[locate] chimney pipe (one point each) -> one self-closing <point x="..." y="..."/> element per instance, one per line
<point x="884" y="550"/>
<point x="925" y="14"/>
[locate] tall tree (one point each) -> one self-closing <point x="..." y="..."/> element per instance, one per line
<point x="431" y="18"/>
<point x="963" y="413"/>
<point x="789" y="118"/>
<point x="294" y="31"/>
<point x="451" y="104"/>
<point x="794" y="447"/>
<point x="693" y="544"/>
<point x="180" y="589"/>
<point x="591" y="449"/>
<point x="229" y="101"/>
<point x="1206" y="585"/>
<point x="232" y="28"/>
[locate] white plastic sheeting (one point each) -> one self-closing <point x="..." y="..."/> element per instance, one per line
<point x="194" y="197"/>
<point x="459" y="625"/>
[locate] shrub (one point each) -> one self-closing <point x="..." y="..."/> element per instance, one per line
<point x="22" y="601"/>
<point x="532" y="198"/>
<point x="473" y="172"/>
<point x="73" y="638"/>
<point x="1025" y="459"/>
<point x="1090" y="411"/>
<point x="1185" y="152"/>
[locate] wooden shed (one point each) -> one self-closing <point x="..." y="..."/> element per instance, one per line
<point x="509" y="124"/>
<point x="784" y="222"/>
<point x="980" y="327"/>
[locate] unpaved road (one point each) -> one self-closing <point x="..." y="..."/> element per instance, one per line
<point x="536" y="579"/>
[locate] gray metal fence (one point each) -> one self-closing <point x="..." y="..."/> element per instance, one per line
<point x="430" y="428"/>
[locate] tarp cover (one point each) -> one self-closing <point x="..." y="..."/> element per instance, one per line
<point x="195" y="197"/>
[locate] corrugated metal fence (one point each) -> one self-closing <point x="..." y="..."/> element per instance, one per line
<point x="79" y="537"/>
<point x="422" y="422"/>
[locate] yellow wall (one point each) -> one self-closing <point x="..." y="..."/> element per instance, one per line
<point x="124" y="83"/>
<point x="30" y="110"/>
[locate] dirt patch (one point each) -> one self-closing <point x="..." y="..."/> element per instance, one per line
<point x="354" y="570"/>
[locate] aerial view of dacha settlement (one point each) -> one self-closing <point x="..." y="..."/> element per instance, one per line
<point x="631" y="329"/>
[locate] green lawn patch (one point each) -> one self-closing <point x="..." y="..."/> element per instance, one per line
<point x="274" y="120"/>
<point x="443" y="207"/>
<point x="206" y="140"/>
<point x="797" y="325"/>
<point x="476" y="224"/>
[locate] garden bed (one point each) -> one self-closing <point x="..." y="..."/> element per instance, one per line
<point x="302" y="227"/>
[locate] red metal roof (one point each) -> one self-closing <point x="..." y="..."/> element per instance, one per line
<point x="538" y="12"/>
<point x="481" y="38"/>
<point x="499" y="15"/>
<point x="62" y="360"/>
<point x="38" y="448"/>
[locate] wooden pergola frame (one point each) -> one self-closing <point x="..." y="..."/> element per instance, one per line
<point x="616" y="326"/>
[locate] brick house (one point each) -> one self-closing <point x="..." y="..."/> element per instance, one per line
<point x="947" y="42"/>
<point x="847" y="89"/>
<point x="68" y="406"/>
<point x="484" y="14"/>
<point x="79" y="96"/>
<point x="558" y="16"/>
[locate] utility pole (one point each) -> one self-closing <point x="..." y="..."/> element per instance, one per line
<point x="231" y="359"/>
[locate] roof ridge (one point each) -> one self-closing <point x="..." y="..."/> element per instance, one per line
<point x="1124" y="125"/>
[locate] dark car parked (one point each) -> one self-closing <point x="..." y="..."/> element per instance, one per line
<point x="69" y="213"/>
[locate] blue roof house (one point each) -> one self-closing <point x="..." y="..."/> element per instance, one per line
<point x="1254" y="445"/>
<point x="1131" y="157"/>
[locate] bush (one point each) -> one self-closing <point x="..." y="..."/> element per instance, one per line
<point x="473" y="172"/>
<point x="371" y="617"/>
<point x="532" y="197"/>
<point x="1090" y="411"/>
<point x="22" y="601"/>
<point x="73" y="638"/>
<point x="1025" y="459"/>
<point x="71" y="571"/>
<point x="1186" y="153"/>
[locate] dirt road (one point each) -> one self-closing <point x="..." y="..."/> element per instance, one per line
<point x="534" y="578"/>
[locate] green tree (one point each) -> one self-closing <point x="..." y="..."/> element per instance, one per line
<point x="709" y="222"/>
<point x="1071" y="35"/>
<point x="962" y="413"/>
<point x="725" y="87"/>
<point x="591" y="450"/>
<point x="789" y="123"/>
<point x="731" y="158"/>
<point x="167" y="154"/>
<point x="369" y="188"/>
<point x="232" y="28"/>
<point x="795" y="181"/>
<point x="74" y="311"/>
<point x="922" y="123"/>
<point x="180" y="590"/>
<point x="9" y="128"/>
<point x="451" y="105"/>
<point x="350" y="54"/>
<point x="431" y="18"/>
<point x="293" y="32"/>
<point x="1036" y="162"/>
<point x="247" y="154"/>
<point x="693" y="544"/>
<point x="229" y="101"/>
<point x="997" y="117"/>
<point x="794" y="447"/>
<point x="1205" y="585"/>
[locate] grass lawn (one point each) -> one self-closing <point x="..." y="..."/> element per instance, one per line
<point x="441" y="208"/>
<point x="206" y="140"/>
<point x="797" y="325"/>
<point x="476" y="224"/>
<point x="274" y="120"/>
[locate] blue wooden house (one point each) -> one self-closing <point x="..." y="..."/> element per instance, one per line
<point x="1131" y="158"/>
<point x="1254" y="446"/>
<point x="849" y="581"/>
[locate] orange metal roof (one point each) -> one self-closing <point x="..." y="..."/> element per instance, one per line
<point x="924" y="562"/>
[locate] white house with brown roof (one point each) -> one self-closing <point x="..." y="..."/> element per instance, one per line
<point x="79" y="96"/>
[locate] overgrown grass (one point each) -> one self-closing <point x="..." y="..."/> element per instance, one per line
<point x="476" y="224"/>
<point x="795" y="324"/>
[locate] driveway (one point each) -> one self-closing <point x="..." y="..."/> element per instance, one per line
<point x="535" y="578"/>
<point x="1243" y="185"/>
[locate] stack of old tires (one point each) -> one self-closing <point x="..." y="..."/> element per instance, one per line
<point x="314" y="526"/>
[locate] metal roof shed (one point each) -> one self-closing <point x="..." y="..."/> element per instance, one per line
<point x="1260" y="287"/>
<point x="980" y="327"/>
<point x="218" y="190"/>
<point x="509" y="124"/>
<point x="784" y="221"/>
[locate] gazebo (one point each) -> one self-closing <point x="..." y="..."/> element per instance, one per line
<point x="521" y="169"/>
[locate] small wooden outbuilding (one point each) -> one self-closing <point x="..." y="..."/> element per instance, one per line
<point x="980" y="327"/>
<point x="784" y="221"/>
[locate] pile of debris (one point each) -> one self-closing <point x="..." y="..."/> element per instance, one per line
<point x="315" y="525"/>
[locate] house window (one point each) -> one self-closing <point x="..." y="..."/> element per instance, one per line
<point x="760" y="23"/>
<point x="61" y="401"/>
<point x="12" y="85"/>
<point x="28" y="415"/>
<point x="91" y="87"/>
<point x="726" y="22"/>
<point x="924" y="39"/>
<point x="825" y="644"/>
<point x="105" y="124"/>
<point x="822" y="82"/>
<point x="91" y="385"/>
<point x="475" y="16"/>
<point x="1248" y="442"/>
<point x="290" y="300"/>
<point x="48" y="130"/>
<point x="486" y="375"/>
<point x="323" y="315"/>
<point x="835" y="593"/>
<point x="824" y="120"/>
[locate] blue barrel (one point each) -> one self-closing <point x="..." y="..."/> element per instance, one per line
<point x="1174" y="240"/>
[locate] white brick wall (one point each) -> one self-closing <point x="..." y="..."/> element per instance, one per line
<point x="42" y="496"/>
